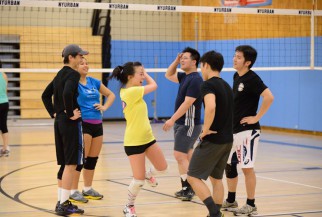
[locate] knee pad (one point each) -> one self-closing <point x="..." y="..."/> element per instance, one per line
<point x="135" y="186"/>
<point x="90" y="163"/>
<point x="60" y="172"/>
<point x="231" y="171"/>
<point x="79" y="167"/>
<point x="159" y="172"/>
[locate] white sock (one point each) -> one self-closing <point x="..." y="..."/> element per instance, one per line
<point x="183" y="177"/>
<point x="87" y="188"/>
<point x="64" y="195"/>
<point x="58" y="193"/>
<point x="73" y="191"/>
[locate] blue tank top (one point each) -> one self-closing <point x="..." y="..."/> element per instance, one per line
<point x="3" y="89"/>
<point x="88" y="96"/>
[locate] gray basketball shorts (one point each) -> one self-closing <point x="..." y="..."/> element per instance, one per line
<point x="209" y="159"/>
<point x="185" y="137"/>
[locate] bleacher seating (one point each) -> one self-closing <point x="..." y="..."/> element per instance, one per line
<point x="40" y="48"/>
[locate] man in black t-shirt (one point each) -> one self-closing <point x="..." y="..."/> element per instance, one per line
<point x="247" y="88"/>
<point x="67" y="126"/>
<point x="210" y="156"/>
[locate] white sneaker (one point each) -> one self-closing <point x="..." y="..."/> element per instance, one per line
<point x="246" y="210"/>
<point x="230" y="207"/>
<point x="4" y="152"/>
<point x="129" y="211"/>
<point x="152" y="181"/>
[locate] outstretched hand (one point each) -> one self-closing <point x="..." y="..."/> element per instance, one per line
<point x="168" y="124"/>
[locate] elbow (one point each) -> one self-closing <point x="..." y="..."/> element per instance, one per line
<point x="271" y="98"/>
<point x="113" y="97"/>
<point x="154" y="87"/>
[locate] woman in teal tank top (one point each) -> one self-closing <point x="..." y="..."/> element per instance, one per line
<point x="4" y="108"/>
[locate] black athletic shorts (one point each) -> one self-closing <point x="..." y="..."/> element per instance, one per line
<point x="209" y="159"/>
<point x="95" y="130"/>
<point x="131" y="150"/>
<point x="68" y="140"/>
<point x="4" y="109"/>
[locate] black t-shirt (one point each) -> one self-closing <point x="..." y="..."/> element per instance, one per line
<point x="247" y="90"/>
<point x="64" y="88"/>
<point x="223" y="122"/>
<point x="189" y="86"/>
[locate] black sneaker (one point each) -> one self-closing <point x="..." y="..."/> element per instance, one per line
<point x="220" y="214"/>
<point x="57" y="204"/>
<point x="178" y="194"/>
<point x="67" y="208"/>
<point x="187" y="194"/>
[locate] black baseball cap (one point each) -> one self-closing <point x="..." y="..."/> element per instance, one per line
<point x="72" y="49"/>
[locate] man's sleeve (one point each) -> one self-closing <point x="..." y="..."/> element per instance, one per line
<point x="69" y="92"/>
<point x="47" y="99"/>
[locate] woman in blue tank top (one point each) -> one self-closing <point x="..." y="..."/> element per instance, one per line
<point x="89" y="90"/>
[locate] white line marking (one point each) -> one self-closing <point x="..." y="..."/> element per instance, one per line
<point x="295" y="183"/>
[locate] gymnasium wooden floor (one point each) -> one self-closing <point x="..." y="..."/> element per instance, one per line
<point x="289" y="176"/>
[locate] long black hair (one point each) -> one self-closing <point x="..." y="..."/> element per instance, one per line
<point x="121" y="73"/>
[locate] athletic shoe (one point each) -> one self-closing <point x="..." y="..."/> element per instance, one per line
<point x="92" y="194"/>
<point x="67" y="208"/>
<point x="246" y="210"/>
<point x="77" y="197"/>
<point x="4" y="153"/>
<point x="152" y="181"/>
<point x="187" y="194"/>
<point x="178" y="194"/>
<point x="183" y="193"/>
<point x="129" y="211"/>
<point x="219" y="215"/>
<point x="229" y="206"/>
<point x="57" y="204"/>
<point x="76" y="207"/>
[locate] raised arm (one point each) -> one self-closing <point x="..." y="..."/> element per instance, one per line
<point x="151" y="85"/>
<point x="171" y="73"/>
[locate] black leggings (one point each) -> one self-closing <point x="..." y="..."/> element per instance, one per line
<point x="4" y="108"/>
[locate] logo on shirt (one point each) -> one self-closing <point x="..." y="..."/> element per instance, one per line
<point x="241" y="87"/>
<point x="91" y="93"/>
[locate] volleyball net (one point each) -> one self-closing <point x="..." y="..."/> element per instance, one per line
<point x="115" y="33"/>
<point x="33" y="34"/>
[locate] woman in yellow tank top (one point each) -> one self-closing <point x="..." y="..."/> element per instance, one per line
<point x="139" y="141"/>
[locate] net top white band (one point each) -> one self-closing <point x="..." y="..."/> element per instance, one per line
<point x="158" y="70"/>
<point x="168" y="8"/>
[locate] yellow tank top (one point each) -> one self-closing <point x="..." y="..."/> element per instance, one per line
<point x="138" y="129"/>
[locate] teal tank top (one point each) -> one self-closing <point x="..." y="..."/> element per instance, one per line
<point x="3" y="89"/>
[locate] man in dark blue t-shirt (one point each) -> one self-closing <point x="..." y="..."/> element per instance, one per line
<point x="186" y="119"/>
